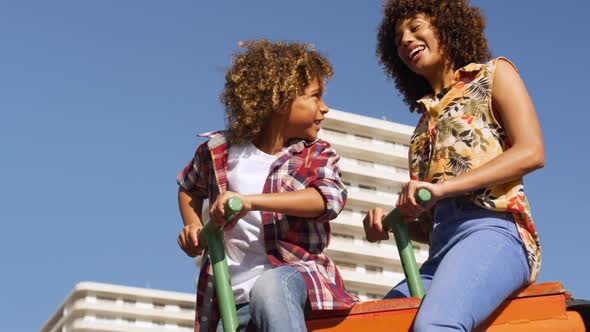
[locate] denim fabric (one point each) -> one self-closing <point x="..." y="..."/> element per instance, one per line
<point x="277" y="302"/>
<point x="476" y="260"/>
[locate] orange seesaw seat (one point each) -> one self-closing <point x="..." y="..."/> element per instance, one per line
<point x="539" y="307"/>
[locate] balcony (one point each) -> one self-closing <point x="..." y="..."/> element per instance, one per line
<point x="370" y="282"/>
<point x="353" y="170"/>
<point x="354" y="123"/>
<point x="364" y="199"/>
<point x="348" y="223"/>
<point x="383" y="254"/>
<point x="366" y="149"/>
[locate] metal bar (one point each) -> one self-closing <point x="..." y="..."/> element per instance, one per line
<point x="212" y="236"/>
<point x="395" y="223"/>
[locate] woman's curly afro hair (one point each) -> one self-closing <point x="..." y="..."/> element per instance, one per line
<point x="266" y="77"/>
<point x="459" y="29"/>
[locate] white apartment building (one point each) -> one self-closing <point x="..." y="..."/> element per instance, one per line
<point x="374" y="167"/>
<point x="374" y="164"/>
<point x="98" y="307"/>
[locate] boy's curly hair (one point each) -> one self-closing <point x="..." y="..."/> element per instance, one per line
<point x="459" y="29"/>
<point x="267" y="76"/>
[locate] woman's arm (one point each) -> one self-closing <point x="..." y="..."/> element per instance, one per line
<point x="513" y="106"/>
<point x="515" y="110"/>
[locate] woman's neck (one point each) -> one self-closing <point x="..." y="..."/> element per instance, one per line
<point x="441" y="78"/>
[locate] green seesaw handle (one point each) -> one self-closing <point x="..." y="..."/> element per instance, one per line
<point x="212" y="235"/>
<point x="394" y="222"/>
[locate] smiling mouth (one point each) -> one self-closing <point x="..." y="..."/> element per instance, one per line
<point x="415" y="51"/>
<point x="318" y="124"/>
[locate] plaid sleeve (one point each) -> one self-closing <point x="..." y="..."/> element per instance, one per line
<point x="328" y="182"/>
<point x="195" y="176"/>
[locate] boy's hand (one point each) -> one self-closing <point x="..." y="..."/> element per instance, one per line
<point x="188" y="240"/>
<point x="217" y="209"/>
<point x="373" y="228"/>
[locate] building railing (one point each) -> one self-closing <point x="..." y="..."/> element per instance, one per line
<point x="348" y="146"/>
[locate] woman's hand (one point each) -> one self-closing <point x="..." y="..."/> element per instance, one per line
<point x="373" y="227"/>
<point x="217" y="209"/>
<point x="407" y="203"/>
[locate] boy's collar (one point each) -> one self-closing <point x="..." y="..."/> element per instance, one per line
<point x="217" y="138"/>
<point x="299" y="144"/>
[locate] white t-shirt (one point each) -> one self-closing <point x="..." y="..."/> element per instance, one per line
<point x="247" y="170"/>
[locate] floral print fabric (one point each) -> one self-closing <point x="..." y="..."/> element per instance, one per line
<point x="458" y="132"/>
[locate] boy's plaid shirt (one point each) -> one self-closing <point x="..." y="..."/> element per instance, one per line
<point x="295" y="241"/>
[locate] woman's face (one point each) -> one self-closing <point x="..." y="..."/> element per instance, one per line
<point x="418" y="47"/>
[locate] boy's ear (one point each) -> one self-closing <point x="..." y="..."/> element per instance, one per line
<point x="283" y="109"/>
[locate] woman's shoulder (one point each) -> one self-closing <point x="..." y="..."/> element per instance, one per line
<point x="499" y="59"/>
<point x="476" y="69"/>
<point x="501" y="64"/>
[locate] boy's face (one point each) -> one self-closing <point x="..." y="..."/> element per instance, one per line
<point x="417" y="45"/>
<point x="306" y="113"/>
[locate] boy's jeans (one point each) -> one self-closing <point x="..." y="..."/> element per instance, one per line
<point x="277" y="302"/>
<point x="476" y="260"/>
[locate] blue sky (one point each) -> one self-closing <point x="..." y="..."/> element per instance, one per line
<point x="100" y="101"/>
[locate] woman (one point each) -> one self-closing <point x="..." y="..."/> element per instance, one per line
<point x="477" y="137"/>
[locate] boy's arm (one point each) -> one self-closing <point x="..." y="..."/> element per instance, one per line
<point x="190" y="210"/>
<point x="328" y="183"/>
<point x="322" y="200"/>
<point x="306" y="203"/>
<point x="190" y="207"/>
<point x="193" y="182"/>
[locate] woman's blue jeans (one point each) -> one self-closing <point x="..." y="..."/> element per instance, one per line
<point x="277" y="302"/>
<point x="476" y="260"/>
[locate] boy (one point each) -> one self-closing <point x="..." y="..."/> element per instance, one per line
<point x="289" y="181"/>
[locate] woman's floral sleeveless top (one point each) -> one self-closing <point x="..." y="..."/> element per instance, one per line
<point x="459" y="133"/>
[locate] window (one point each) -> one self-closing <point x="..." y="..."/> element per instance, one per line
<point x="367" y="187"/>
<point x="373" y="268"/>
<point x="373" y="296"/>
<point x="128" y="302"/>
<point x="187" y="307"/>
<point x="363" y="137"/>
<point x="337" y="131"/>
<point x="106" y="299"/>
<point x="345" y="265"/>
<point x="343" y="236"/>
<point x="105" y="319"/>
<point x="366" y="163"/>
